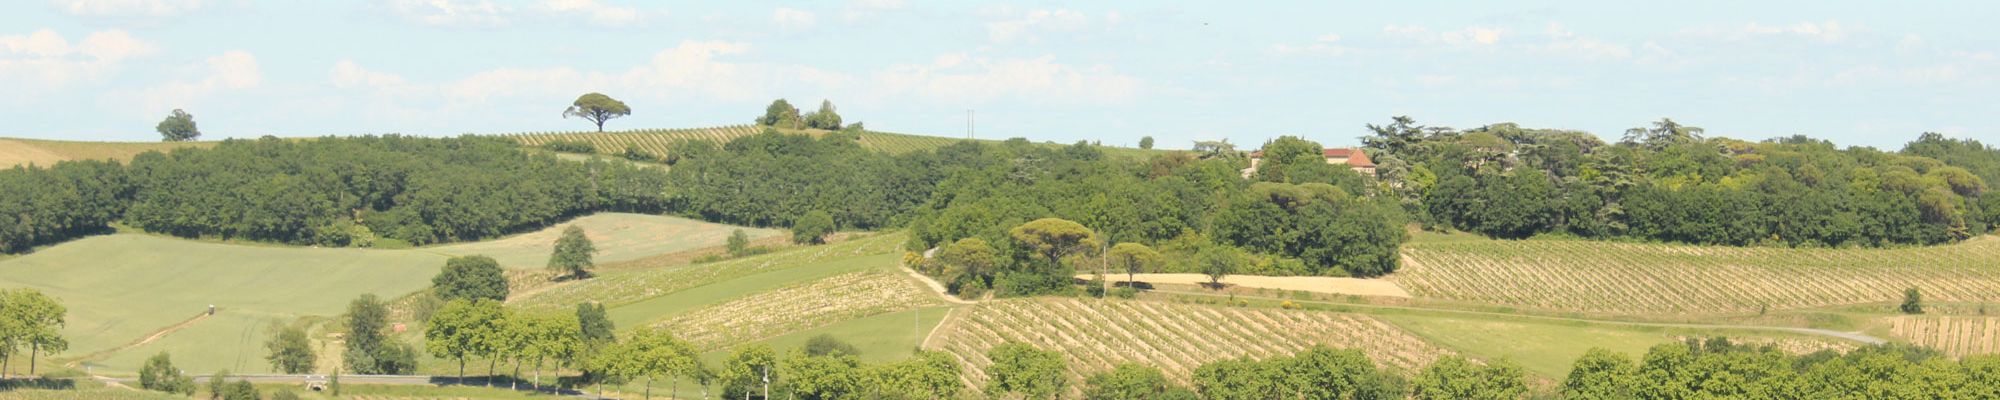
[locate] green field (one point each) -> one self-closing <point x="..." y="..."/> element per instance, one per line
<point x="1549" y="348"/>
<point x="122" y="288"/>
<point x="617" y="236"/>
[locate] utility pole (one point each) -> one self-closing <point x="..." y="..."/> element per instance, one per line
<point x="968" y="123"/>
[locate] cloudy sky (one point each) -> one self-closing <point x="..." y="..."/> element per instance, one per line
<point x="1863" y="73"/>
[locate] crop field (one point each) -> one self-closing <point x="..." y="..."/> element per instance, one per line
<point x="1098" y="334"/>
<point x="799" y="307"/>
<point x="1550" y="348"/>
<point x="122" y="288"/>
<point x="1955" y="336"/>
<point x="617" y="236"/>
<point x="1626" y="278"/>
<point x="47" y="152"/>
<point x="617" y="289"/>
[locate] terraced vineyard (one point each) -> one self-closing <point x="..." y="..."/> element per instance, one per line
<point x="1096" y="335"/>
<point x="1955" y="336"/>
<point x="1625" y="278"/>
<point x="656" y="141"/>
<point x="799" y="307"/>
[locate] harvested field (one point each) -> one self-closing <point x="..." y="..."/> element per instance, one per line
<point x="617" y="236"/>
<point x="799" y="307"/>
<point x="47" y="152"/>
<point x="1957" y="336"/>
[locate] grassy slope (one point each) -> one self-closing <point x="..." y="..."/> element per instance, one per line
<point x="47" y="152"/>
<point x="121" y="288"/>
<point x="1548" y="348"/>
<point x="617" y="236"/>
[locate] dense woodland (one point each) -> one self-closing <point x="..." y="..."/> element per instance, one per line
<point x="1668" y="183"/>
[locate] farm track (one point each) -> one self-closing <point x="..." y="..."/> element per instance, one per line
<point x="156" y="335"/>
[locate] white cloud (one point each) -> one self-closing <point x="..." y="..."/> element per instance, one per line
<point x="1324" y="44"/>
<point x="1564" y="41"/>
<point x="44" y="60"/>
<point x="233" y="70"/>
<point x="979" y="79"/>
<point x="347" y="74"/>
<point x="1029" y="27"/>
<point x="1827" y="32"/>
<point x="453" y="12"/>
<point x="792" y="19"/>
<point x="117" y="8"/>
<point x="1475" y="35"/>
<point x="597" y="13"/>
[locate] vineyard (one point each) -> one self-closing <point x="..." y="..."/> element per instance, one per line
<point x="1627" y="278"/>
<point x="657" y="141"/>
<point x="1955" y="336"/>
<point x="615" y="288"/>
<point x="1096" y="335"/>
<point x="799" y="307"/>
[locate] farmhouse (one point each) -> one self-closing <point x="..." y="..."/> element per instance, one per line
<point x="1352" y="157"/>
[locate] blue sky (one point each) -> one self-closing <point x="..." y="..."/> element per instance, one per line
<point x="1860" y="73"/>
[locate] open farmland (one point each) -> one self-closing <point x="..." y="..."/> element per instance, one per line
<point x="1634" y="279"/>
<point x="1956" y="336"/>
<point x="1098" y="334"/>
<point x="617" y="236"/>
<point x="1549" y="348"/>
<point x="44" y="153"/>
<point x="122" y="288"/>
<point x="620" y="288"/>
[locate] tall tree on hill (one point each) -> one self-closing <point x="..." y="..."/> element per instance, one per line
<point x="572" y="254"/>
<point x="597" y="108"/>
<point x="826" y="118"/>
<point x="289" y="351"/>
<point x="780" y="114"/>
<point x="1146" y="143"/>
<point x="1664" y="132"/>
<point x="470" y="277"/>
<point x="178" y="127"/>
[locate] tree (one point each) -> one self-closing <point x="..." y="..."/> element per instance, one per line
<point x="1127" y="382"/>
<point x="1146" y="143"/>
<point x="471" y="278"/>
<point x="571" y="257"/>
<point x="824" y="377"/>
<point x="242" y="389"/>
<point x="594" y="328"/>
<point x="927" y="375"/>
<point x="1325" y="373"/>
<point x="780" y="114"/>
<point x="812" y="227"/>
<point x="178" y="127"/>
<point x="461" y="328"/>
<point x="30" y="319"/>
<point x="217" y="384"/>
<point x="748" y="369"/>
<point x="597" y="108"/>
<point x="545" y="337"/>
<point x="1053" y="238"/>
<point x="159" y="374"/>
<point x="827" y="345"/>
<point x="1664" y="132"/>
<point x="1218" y="262"/>
<point x="825" y="118"/>
<point x="1913" y="301"/>
<point x="1240" y="379"/>
<point x="1452" y="377"/>
<point x="1021" y="369"/>
<point x="738" y="243"/>
<point x="651" y="353"/>
<point x="1133" y="258"/>
<point x="289" y="351"/>
<point x="369" y="350"/>
<point x="1601" y="374"/>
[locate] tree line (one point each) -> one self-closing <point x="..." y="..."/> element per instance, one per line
<point x="1667" y="182"/>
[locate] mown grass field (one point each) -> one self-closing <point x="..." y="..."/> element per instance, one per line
<point x="47" y="152"/>
<point x="1549" y="348"/>
<point x="1604" y="278"/>
<point x="617" y="236"/>
<point x="122" y="288"/>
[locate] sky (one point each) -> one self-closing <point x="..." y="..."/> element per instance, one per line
<point x="1859" y="73"/>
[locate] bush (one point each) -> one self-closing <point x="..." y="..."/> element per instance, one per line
<point x="1125" y="292"/>
<point x="571" y="146"/>
<point x="1913" y="301"/>
<point x="812" y="227"/>
<point x="634" y="153"/>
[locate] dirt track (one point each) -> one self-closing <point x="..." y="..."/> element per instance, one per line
<point x="1316" y="284"/>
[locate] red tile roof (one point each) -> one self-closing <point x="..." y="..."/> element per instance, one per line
<point x="1355" y="157"/>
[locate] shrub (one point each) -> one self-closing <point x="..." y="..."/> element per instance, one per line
<point x="1913" y="301"/>
<point x="571" y="146"/>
